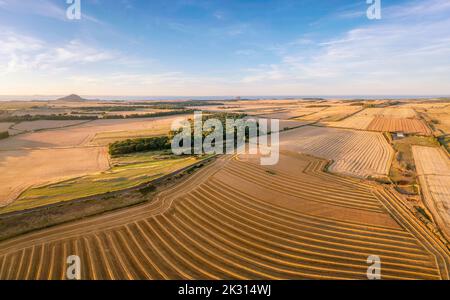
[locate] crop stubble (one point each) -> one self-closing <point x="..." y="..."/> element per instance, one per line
<point x="206" y="228"/>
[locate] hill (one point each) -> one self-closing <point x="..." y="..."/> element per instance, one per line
<point x="72" y="98"/>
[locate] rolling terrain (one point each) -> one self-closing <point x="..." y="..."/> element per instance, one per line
<point x="222" y="224"/>
<point x="316" y="214"/>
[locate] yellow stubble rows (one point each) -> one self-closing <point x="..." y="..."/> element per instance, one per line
<point x="219" y="231"/>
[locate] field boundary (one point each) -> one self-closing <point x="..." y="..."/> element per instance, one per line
<point x="44" y="213"/>
<point x="406" y="218"/>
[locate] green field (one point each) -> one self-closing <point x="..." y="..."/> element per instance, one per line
<point x="127" y="171"/>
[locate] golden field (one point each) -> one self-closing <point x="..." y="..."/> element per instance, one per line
<point x="239" y="227"/>
<point x="328" y="204"/>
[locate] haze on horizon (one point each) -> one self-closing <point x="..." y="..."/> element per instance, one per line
<point x="202" y="48"/>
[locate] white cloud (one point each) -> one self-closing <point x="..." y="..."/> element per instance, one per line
<point x="407" y="52"/>
<point x="21" y="53"/>
<point x="394" y="55"/>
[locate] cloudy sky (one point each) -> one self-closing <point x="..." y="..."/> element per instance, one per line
<point x="224" y="47"/>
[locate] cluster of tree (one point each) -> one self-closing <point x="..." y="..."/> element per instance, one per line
<point x="357" y="104"/>
<point x="318" y="106"/>
<point x="240" y="133"/>
<point x="140" y="145"/>
<point x="165" y="142"/>
<point x="69" y="117"/>
<point x="445" y="141"/>
<point x="4" y="135"/>
<point x="313" y="99"/>
<point x="184" y="104"/>
<point x="150" y="115"/>
<point x="114" y="108"/>
<point x="54" y="117"/>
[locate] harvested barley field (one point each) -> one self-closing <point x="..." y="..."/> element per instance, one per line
<point x="331" y="114"/>
<point x="354" y="122"/>
<point x="288" y="114"/>
<point x="126" y="172"/>
<point x="47" y="156"/>
<point x="22" y="169"/>
<point x="365" y="119"/>
<point x="440" y="118"/>
<point x="235" y="220"/>
<point x="398" y="112"/>
<point x="361" y="120"/>
<point x="4" y="126"/>
<point x="40" y="125"/>
<point x="433" y="169"/>
<point x="383" y="124"/>
<point x="84" y="134"/>
<point x="354" y="153"/>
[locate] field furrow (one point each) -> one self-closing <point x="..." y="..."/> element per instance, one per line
<point x="236" y="219"/>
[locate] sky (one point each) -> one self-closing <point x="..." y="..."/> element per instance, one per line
<point x="224" y="47"/>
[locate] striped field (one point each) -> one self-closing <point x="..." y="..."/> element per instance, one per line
<point x="299" y="223"/>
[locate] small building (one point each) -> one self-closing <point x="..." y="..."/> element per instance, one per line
<point x="399" y="135"/>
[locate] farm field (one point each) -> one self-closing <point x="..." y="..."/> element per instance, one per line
<point x="4" y="126"/>
<point x="440" y="117"/>
<point x="126" y="172"/>
<point x="433" y="168"/>
<point x="43" y="157"/>
<point x="84" y="134"/>
<point x="331" y="114"/>
<point x="384" y="124"/>
<point x="21" y="105"/>
<point x="313" y="215"/>
<point x="237" y="220"/>
<point x="288" y="114"/>
<point x="39" y="125"/>
<point x="403" y="169"/>
<point x="22" y="169"/>
<point x="354" y="153"/>
<point x="387" y="119"/>
<point x="398" y="113"/>
<point x="361" y="120"/>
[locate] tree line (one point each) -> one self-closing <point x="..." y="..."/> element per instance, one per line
<point x="71" y="117"/>
<point x="4" y="135"/>
<point x="165" y="142"/>
<point x="139" y="145"/>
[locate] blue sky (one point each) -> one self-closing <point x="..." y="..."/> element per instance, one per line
<point x="226" y="47"/>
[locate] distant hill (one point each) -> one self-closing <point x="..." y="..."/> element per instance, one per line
<point x="72" y="98"/>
